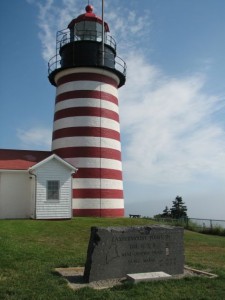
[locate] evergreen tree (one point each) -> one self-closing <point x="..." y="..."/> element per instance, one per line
<point x="178" y="210"/>
<point x="166" y="213"/>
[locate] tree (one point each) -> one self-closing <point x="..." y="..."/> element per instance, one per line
<point x="178" y="210"/>
<point x="166" y="213"/>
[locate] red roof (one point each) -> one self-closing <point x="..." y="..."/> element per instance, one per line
<point x="88" y="16"/>
<point x="21" y="159"/>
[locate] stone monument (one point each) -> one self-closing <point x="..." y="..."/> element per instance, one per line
<point x="114" y="252"/>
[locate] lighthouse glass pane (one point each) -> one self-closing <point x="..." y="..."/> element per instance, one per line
<point x="88" y="30"/>
<point x="52" y="190"/>
<point x="99" y="31"/>
<point x="79" y="28"/>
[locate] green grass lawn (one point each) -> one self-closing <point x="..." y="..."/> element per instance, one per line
<point x="31" y="250"/>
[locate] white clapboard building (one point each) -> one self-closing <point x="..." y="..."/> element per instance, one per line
<point x="35" y="184"/>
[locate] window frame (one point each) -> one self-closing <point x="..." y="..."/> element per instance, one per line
<point x="52" y="190"/>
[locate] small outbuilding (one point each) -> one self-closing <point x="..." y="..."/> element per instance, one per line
<point x="35" y="184"/>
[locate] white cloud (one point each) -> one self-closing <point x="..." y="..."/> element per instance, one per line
<point x="46" y="21"/>
<point x="35" y="137"/>
<point x="53" y="17"/>
<point x="170" y="133"/>
<point x="130" y="29"/>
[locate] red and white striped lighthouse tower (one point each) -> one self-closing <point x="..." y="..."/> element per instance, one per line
<point x="87" y="74"/>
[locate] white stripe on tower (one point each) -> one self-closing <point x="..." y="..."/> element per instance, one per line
<point x="95" y="183"/>
<point x="92" y="122"/>
<point x="86" y="141"/>
<point x="88" y="102"/>
<point x="86" y="85"/>
<point x="87" y="134"/>
<point x="89" y="162"/>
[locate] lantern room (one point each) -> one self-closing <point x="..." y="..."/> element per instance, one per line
<point x="86" y="43"/>
<point x="88" y="26"/>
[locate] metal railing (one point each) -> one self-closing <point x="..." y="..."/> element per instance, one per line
<point x="64" y="37"/>
<point x="207" y="223"/>
<point x="119" y="64"/>
<point x="195" y="222"/>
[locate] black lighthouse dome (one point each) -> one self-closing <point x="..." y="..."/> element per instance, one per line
<point x="86" y="43"/>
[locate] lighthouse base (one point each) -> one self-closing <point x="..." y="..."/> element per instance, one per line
<point x="101" y="213"/>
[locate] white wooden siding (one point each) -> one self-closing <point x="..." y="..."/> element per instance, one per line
<point x="53" y="209"/>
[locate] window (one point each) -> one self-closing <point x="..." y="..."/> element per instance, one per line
<point x="88" y="30"/>
<point x="52" y="190"/>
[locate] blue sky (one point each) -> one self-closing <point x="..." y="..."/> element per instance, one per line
<point x="171" y="108"/>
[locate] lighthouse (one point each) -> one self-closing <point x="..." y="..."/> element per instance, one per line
<point x="87" y="73"/>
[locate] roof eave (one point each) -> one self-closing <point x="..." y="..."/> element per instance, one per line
<point x="68" y="165"/>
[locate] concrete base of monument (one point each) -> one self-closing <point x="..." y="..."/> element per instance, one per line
<point x="75" y="279"/>
<point x="138" y="277"/>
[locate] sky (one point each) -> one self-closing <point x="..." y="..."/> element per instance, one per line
<point x="171" y="107"/>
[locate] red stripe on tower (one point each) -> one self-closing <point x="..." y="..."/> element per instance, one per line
<point x="87" y="94"/>
<point x="86" y="129"/>
<point x="99" y="212"/>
